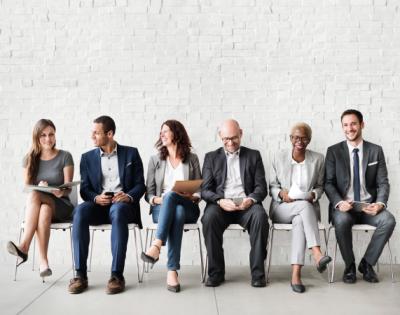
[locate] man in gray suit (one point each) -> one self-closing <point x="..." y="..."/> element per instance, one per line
<point x="234" y="187"/>
<point x="355" y="174"/>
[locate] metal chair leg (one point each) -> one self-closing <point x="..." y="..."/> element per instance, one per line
<point x="34" y="252"/>
<point x="72" y="252"/>
<point x="137" y="256"/>
<point x="271" y="232"/>
<point x="326" y="252"/>
<point x="201" y="256"/>
<point x="16" y="259"/>
<point x="391" y="261"/>
<point x="91" y="252"/>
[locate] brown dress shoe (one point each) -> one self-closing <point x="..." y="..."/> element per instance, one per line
<point x="77" y="285"/>
<point x="115" y="285"/>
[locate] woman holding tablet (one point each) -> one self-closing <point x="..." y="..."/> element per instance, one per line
<point x="296" y="184"/>
<point x="44" y="165"/>
<point x="171" y="210"/>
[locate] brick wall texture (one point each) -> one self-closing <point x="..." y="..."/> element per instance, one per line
<point x="266" y="63"/>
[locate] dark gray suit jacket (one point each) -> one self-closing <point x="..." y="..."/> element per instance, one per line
<point x="338" y="176"/>
<point x="251" y="172"/>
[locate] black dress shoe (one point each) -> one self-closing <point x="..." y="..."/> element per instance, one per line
<point x="349" y="274"/>
<point x="323" y="263"/>
<point x="298" y="288"/>
<point x="259" y="282"/>
<point x="214" y="281"/>
<point x="368" y="272"/>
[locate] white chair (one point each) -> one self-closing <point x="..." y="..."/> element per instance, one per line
<point x="231" y="227"/>
<point x="359" y="228"/>
<point x="187" y="227"/>
<point x="107" y="227"/>
<point x="64" y="226"/>
<point x="288" y="227"/>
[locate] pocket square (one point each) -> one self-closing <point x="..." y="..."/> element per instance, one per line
<point x="372" y="163"/>
<point x="128" y="164"/>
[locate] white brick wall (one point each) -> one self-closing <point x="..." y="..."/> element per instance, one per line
<point x="267" y="63"/>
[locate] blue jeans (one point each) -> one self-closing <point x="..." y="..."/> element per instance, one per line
<point x="171" y="215"/>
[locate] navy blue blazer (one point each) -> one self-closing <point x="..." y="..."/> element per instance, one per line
<point x="130" y="169"/>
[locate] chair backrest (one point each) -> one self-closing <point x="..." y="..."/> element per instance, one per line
<point x="73" y="196"/>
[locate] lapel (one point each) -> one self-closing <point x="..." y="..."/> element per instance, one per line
<point x="242" y="162"/>
<point x="346" y="157"/>
<point x="121" y="163"/>
<point x="97" y="167"/>
<point x="222" y="157"/>
<point x="287" y="169"/>
<point x="160" y="172"/>
<point x="365" y="157"/>
<point x="309" y="162"/>
<point x="185" y="167"/>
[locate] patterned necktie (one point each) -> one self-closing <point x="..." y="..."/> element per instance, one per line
<point x="356" y="175"/>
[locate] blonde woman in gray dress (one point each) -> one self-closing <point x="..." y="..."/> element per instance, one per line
<point x="44" y="165"/>
<point x="296" y="185"/>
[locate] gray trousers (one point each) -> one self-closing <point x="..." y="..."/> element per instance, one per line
<point x="305" y="227"/>
<point x="343" y="222"/>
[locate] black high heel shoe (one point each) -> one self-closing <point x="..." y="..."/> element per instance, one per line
<point x="323" y="263"/>
<point x="14" y="250"/>
<point x="149" y="259"/>
<point x="45" y="273"/>
<point x="174" y="288"/>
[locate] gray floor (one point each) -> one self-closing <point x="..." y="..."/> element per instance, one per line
<point x="28" y="295"/>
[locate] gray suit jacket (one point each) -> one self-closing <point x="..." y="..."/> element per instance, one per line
<point x="251" y="172"/>
<point x="280" y="176"/>
<point x="338" y="176"/>
<point x="156" y="172"/>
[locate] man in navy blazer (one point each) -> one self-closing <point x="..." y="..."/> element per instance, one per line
<point x="356" y="175"/>
<point x="112" y="185"/>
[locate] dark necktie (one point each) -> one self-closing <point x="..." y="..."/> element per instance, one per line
<point x="356" y="175"/>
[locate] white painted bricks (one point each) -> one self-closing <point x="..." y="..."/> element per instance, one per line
<point x="267" y="63"/>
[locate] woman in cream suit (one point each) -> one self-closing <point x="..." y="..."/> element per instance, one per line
<point x="169" y="209"/>
<point x="296" y="184"/>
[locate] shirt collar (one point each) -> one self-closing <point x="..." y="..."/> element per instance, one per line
<point x="232" y="154"/>
<point x="114" y="152"/>
<point x="359" y="146"/>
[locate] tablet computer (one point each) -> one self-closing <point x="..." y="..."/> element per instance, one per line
<point x="187" y="186"/>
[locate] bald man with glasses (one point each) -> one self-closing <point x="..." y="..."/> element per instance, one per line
<point x="234" y="187"/>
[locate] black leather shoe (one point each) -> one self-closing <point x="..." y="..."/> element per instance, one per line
<point x="259" y="282"/>
<point x="298" y="288"/>
<point x="214" y="281"/>
<point x="349" y="274"/>
<point x="368" y="272"/>
<point x="323" y="263"/>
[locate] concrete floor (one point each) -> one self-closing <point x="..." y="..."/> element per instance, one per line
<point x="28" y="295"/>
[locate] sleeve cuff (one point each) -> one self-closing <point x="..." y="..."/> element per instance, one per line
<point x="130" y="197"/>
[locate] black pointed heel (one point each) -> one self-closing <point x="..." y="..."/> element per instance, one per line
<point x="149" y="259"/>
<point x="174" y="288"/>
<point x="14" y="250"/>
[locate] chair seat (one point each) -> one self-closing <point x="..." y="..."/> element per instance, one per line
<point x="54" y="226"/>
<point x="288" y="226"/>
<point x="188" y="226"/>
<point x="363" y="227"/>
<point x="106" y="227"/>
<point x="236" y="227"/>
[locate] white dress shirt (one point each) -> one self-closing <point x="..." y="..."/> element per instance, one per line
<point x="233" y="183"/>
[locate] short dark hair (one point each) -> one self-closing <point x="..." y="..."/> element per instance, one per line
<point x="352" y="112"/>
<point x="107" y="122"/>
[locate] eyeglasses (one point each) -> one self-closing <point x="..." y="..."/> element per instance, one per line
<point x="302" y="139"/>
<point x="233" y="139"/>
